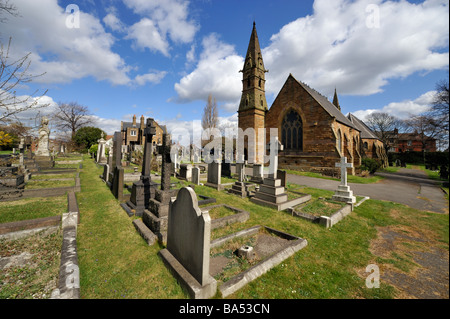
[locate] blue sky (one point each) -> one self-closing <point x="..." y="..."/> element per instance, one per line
<point x="162" y="58"/>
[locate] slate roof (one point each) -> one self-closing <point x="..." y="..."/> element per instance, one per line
<point x="366" y="132"/>
<point x="327" y="105"/>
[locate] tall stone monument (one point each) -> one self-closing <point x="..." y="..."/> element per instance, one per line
<point x="101" y="151"/>
<point x="44" y="133"/>
<point x="42" y="156"/>
<point x="142" y="190"/>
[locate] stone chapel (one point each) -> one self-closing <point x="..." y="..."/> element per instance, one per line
<point x="313" y="131"/>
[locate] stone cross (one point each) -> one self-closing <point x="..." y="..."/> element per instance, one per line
<point x="274" y="147"/>
<point x="164" y="150"/>
<point x="344" y="165"/>
<point x="149" y="132"/>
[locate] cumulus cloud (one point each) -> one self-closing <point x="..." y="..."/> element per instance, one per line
<point x="216" y="73"/>
<point x="340" y="45"/>
<point x="161" y="20"/>
<point x="403" y="109"/>
<point x="63" y="53"/>
<point x="152" y="77"/>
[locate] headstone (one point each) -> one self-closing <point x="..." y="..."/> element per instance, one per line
<point x="226" y="168"/>
<point x="186" y="171"/>
<point x="188" y="245"/>
<point x="343" y="193"/>
<point x="282" y="175"/>
<point x="214" y="175"/>
<point x="257" y="176"/>
<point x="196" y="176"/>
<point x="274" y="147"/>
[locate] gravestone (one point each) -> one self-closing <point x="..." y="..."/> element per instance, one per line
<point x="343" y="193"/>
<point x="186" y="171"/>
<point x="226" y="167"/>
<point x="214" y="175"/>
<point x="117" y="175"/>
<point x="257" y="176"/>
<point x="188" y="245"/>
<point x="196" y="176"/>
<point x="142" y="190"/>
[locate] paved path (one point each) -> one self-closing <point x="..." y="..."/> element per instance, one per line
<point x="408" y="186"/>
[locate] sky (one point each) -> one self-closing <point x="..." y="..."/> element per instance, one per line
<point x="162" y="58"/>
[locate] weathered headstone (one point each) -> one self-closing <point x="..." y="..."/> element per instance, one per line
<point x="196" y="176"/>
<point x="343" y="193"/>
<point x="258" y="175"/>
<point x="186" y="171"/>
<point x="188" y="245"/>
<point x="214" y="174"/>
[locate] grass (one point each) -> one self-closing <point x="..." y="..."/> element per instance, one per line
<point x="36" y="184"/>
<point x="350" y="178"/>
<point x="38" y="277"/>
<point x="32" y="208"/>
<point x="115" y="262"/>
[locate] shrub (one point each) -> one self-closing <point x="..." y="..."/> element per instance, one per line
<point x="370" y="164"/>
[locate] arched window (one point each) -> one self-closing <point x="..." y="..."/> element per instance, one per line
<point x="292" y="132"/>
<point x="339" y="140"/>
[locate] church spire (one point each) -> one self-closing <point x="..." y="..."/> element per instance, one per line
<point x="336" y="100"/>
<point x="253" y="80"/>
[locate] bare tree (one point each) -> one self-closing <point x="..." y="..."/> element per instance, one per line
<point x="14" y="74"/>
<point x="210" y="117"/>
<point x="385" y="127"/>
<point x="71" y="117"/>
<point x="5" y="6"/>
<point x="440" y="110"/>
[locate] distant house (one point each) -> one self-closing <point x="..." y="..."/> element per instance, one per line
<point x="133" y="134"/>
<point x="414" y="142"/>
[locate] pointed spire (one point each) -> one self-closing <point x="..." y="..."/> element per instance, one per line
<point x="254" y="51"/>
<point x="336" y="100"/>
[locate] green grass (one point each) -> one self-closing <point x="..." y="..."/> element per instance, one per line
<point x="39" y="276"/>
<point x="37" y="184"/>
<point x="350" y="178"/>
<point x="32" y="208"/>
<point x="115" y="262"/>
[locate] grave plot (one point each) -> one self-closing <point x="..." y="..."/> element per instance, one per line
<point x="224" y="215"/>
<point x="322" y="208"/>
<point x="241" y="257"/>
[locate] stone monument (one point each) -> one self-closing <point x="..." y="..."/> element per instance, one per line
<point x="42" y="157"/>
<point x="343" y="193"/>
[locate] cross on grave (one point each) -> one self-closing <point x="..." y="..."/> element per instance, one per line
<point x="274" y="146"/>
<point x="344" y="165"/>
<point x="164" y="151"/>
<point x="149" y="132"/>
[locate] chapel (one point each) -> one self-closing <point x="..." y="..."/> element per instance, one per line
<point x="314" y="132"/>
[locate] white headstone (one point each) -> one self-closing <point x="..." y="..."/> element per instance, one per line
<point x="274" y="147"/>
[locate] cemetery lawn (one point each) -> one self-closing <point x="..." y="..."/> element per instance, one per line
<point x="32" y="208"/>
<point x="350" y="178"/>
<point x="115" y="262"/>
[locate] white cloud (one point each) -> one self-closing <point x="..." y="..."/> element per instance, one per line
<point x="170" y="16"/>
<point x="113" y="22"/>
<point x="63" y="53"/>
<point x="216" y="73"/>
<point x="146" y="35"/>
<point x="335" y="47"/>
<point x="153" y="77"/>
<point x="403" y="109"/>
